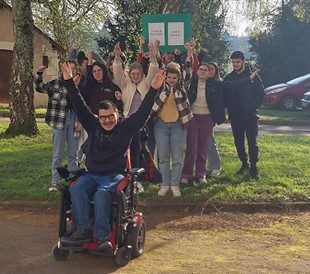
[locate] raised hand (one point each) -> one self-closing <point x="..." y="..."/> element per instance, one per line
<point x="159" y="79"/>
<point x="41" y="69"/>
<point x="141" y="41"/>
<point x="153" y="46"/>
<point x="78" y="127"/>
<point x="66" y="71"/>
<point x="191" y="48"/>
<point x="74" y="46"/>
<point x="118" y="95"/>
<point x="77" y="79"/>
<point x="89" y="56"/>
<point x="254" y="73"/>
<point x="117" y="50"/>
<point x="157" y="43"/>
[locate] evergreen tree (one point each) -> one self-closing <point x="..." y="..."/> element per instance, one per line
<point x="283" y="48"/>
<point x="125" y="24"/>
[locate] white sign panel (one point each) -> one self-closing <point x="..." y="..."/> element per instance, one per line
<point x="157" y="32"/>
<point x="176" y="34"/>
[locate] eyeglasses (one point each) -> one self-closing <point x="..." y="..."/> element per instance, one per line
<point x="109" y="117"/>
<point x="97" y="71"/>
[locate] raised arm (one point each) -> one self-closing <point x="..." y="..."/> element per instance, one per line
<point x="139" y="118"/>
<point x="85" y="116"/>
<point x="51" y="88"/>
<point x="153" y="68"/>
<point x="118" y="72"/>
<point x="140" y="49"/>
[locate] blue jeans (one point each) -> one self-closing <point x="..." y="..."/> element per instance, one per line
<point x="60" y="138"/>
<point x="100" y="189"/>
<point x="214" y="161"/>
<point x="170" y="140"/>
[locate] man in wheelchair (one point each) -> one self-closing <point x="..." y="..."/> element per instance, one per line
<point x="105" y="150"/>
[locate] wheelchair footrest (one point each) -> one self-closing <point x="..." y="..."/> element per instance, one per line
<point x="136" y="171"/>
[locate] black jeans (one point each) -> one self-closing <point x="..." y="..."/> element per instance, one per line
<point x="248" y="128"/>
<point x="135" y="150"/>
<point x="151" y="144"/>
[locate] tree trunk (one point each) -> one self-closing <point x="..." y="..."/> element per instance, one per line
<point x="21" y="86"/>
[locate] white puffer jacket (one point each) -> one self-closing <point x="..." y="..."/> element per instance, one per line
<point x="127" y="87"/>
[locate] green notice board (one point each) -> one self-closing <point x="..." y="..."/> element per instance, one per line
<point x="172" y="30"/>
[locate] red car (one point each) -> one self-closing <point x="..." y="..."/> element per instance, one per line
<point x="287" y="96"/>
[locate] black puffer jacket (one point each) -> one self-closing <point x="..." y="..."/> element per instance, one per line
<point x="243" y="96"/>
<point x="214" y="97"/>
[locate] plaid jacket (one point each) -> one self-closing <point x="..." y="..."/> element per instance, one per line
<point x="57" y="101"/>
<point x="180" y="96"/>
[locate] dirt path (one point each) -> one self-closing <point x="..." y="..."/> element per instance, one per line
<point x="177" y="242"/>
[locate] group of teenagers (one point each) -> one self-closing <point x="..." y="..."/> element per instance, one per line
<point x="178" y="101"/>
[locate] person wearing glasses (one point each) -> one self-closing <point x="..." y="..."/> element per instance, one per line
<point x="206" y="99"/>
<point x="106" y="153"/>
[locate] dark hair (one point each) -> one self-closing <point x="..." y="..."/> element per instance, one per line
<point x="203" y="64"/>
<point x="72" y="62"/>
<point x="81" y="57"/>
<point x="217" y="70"/>
<point x="110" y="61"/>
<point x="105" y="77"/>
<point x="237" y="55"/>
<point x="107" y="104"/>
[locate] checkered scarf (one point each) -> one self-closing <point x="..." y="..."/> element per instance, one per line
<point x="180" y="96"/>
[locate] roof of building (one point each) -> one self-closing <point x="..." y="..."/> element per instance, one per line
<point x="55" y="45"/>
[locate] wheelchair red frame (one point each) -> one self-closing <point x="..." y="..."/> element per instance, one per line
<point x="128" y="226"/>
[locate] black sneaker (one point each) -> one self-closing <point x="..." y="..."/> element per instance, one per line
<point x="78" y="236"/>
<point x="244" y="168"/>
<point x="254" y="173"/>
<point x="103" y="242"/>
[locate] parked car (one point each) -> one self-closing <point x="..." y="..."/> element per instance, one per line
<point x="287" y="96"/>
<point x="305" y="102"/>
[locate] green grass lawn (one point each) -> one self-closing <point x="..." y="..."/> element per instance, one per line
<point x="284" y="117"/>
<point x="284" y="165"/>
<point x="6" y="111"/>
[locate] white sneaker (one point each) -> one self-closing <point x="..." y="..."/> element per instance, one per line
<point x="176" y="191"/>
<point x="215" y="172"/>
<point x="202" y="181"/>
<point x="54" y="187"/>
<point x="163" y="190"/>
<point x="184" y="181"/>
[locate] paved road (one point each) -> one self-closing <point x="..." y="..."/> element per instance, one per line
<point x="176" y="242"/>
<point x="303" y="130"/>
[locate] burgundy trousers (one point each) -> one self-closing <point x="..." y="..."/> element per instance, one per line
<point x="199" y="134"/>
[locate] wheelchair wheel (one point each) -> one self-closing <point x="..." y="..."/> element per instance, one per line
<point x="137" y="239"/>
<point x="123" y="256"/>
<point x="60" y="255"/>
